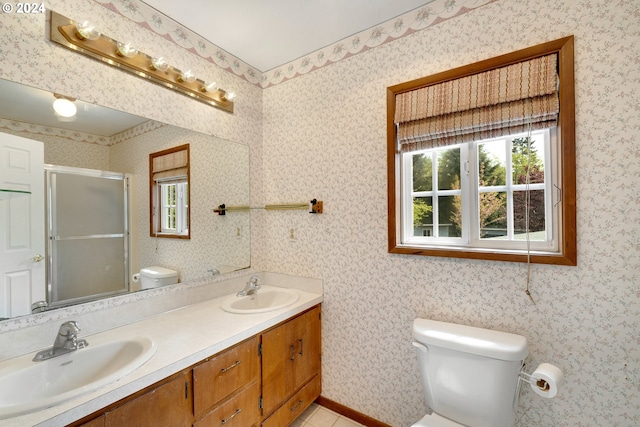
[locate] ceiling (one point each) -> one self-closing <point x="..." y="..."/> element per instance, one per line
<point x="30" y="105"/>
<point x="269" y="33"/>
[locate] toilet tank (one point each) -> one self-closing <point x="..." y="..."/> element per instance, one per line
<point x="469" y="374"/>
<point x="154" y="277"/>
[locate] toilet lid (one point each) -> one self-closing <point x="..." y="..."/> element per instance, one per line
<point x="435" y="420"/>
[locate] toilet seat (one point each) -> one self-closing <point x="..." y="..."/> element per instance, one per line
<point x="435" y="420"/>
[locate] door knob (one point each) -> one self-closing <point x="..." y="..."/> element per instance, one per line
<point x="37" y="258"/>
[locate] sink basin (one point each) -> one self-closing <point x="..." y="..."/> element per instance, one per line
<point x="26" y="386"/>
<point x="268" y="298"/>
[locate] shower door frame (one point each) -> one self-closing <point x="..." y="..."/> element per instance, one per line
<point x="126" y="235"/>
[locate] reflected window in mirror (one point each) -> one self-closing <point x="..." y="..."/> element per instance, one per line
<point x="169" y="193"/>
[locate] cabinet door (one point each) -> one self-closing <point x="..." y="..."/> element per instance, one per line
<point x="290" y="357"/>
<point x="306" y="333"/>
<point x="168" y="405"/>
<point x="295" y="406"/>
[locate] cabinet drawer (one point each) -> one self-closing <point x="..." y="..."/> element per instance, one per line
<point x="296" y="405"/>
<point x="224" y="374"/>
<point x="240" y="411"/>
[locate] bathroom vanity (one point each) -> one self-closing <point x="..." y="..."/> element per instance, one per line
<point x="211" y="367"/>
<point x="229" y="389"/>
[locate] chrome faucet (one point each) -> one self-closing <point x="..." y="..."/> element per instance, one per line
<point x="66" y="341"/>
<point x="251" y="288"/>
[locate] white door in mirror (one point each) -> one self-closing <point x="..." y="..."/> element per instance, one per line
<point x="22" y="275"/>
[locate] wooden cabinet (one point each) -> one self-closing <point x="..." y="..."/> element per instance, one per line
<point x="168" y="404"/>
<point x="280" y="367"/>
<point x="290" y="361"/>
<point x="226" y="387"/>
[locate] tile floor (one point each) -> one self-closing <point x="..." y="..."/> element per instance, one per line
<point x="318" y="416"/>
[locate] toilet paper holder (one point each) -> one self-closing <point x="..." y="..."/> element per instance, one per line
<point x="537" y="382"/>
<point x="545" y="380"/>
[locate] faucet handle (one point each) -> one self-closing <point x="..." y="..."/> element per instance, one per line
<point x="69" y="328"/>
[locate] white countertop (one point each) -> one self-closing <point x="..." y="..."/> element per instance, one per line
<point x="184" y="336"/>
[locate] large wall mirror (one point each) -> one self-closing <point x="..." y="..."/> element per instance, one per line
<point x="109" y="152"/>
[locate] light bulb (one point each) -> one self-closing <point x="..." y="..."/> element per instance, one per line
<point x="64" y="107"/>
<point x="187" y="76"/>
<point x="159" y="64"/>
<point x="210" y="87"/>
<point x="87" y="31"/>
<point x="229" y="95"/>
<point x="126" y="50"/>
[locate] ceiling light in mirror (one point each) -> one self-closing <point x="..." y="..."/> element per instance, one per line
<point x="64" y="106"/>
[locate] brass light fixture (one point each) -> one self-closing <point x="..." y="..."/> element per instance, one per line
<point x="84" y="38"/>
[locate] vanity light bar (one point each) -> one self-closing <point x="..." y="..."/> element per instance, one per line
<point x="64" y="32"/>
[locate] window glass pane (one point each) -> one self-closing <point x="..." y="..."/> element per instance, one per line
<point x="422" y="216"/>
<point x="536" y="215"/>
<point x="492" y="163"/>
<point x="169" y="219"/>
<point x="448" y="213"/>
<point x="449" y="169"/>
<point x="422" y="172"/>
<point x="493" y="214"/>
<point x="523" y="153"/>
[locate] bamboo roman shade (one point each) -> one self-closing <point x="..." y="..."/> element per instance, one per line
<point x="489" y="104"/>
<point x="171" y="166"/>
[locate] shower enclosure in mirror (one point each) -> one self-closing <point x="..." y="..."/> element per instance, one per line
<point x="87" y="234"/>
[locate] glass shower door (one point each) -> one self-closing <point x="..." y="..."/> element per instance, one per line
<point x="88" y="235"/>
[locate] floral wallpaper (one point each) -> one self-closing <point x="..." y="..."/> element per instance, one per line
<point x="324" y="136"/>
<point x="220" y="242"/>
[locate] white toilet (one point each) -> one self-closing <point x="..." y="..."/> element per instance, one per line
<point x="154" y="277"/>
<point x="469" y="375"/>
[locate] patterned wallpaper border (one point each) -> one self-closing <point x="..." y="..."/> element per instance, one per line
<point x="19" y="126"/>
<point x="432" y="13"/>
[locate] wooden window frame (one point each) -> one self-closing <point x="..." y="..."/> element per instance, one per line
<point x="567" y="250"/>
<point x="154" y="224"/>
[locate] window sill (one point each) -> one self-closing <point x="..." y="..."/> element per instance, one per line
<point x="535" y="257"/>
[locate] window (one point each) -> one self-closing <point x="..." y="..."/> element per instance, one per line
<point x="475" y="194"/>
<point x="169" y="193"/>
<point x="501" y="189"/>
<point x="174" y="207"/>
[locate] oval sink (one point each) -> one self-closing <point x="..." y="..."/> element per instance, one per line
<point x="268" y="298"/>
<point x="26" y="386"/>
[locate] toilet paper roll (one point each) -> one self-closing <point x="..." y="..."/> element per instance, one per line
<point x="136" y="277"/>
<point x="546" y="380"/>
